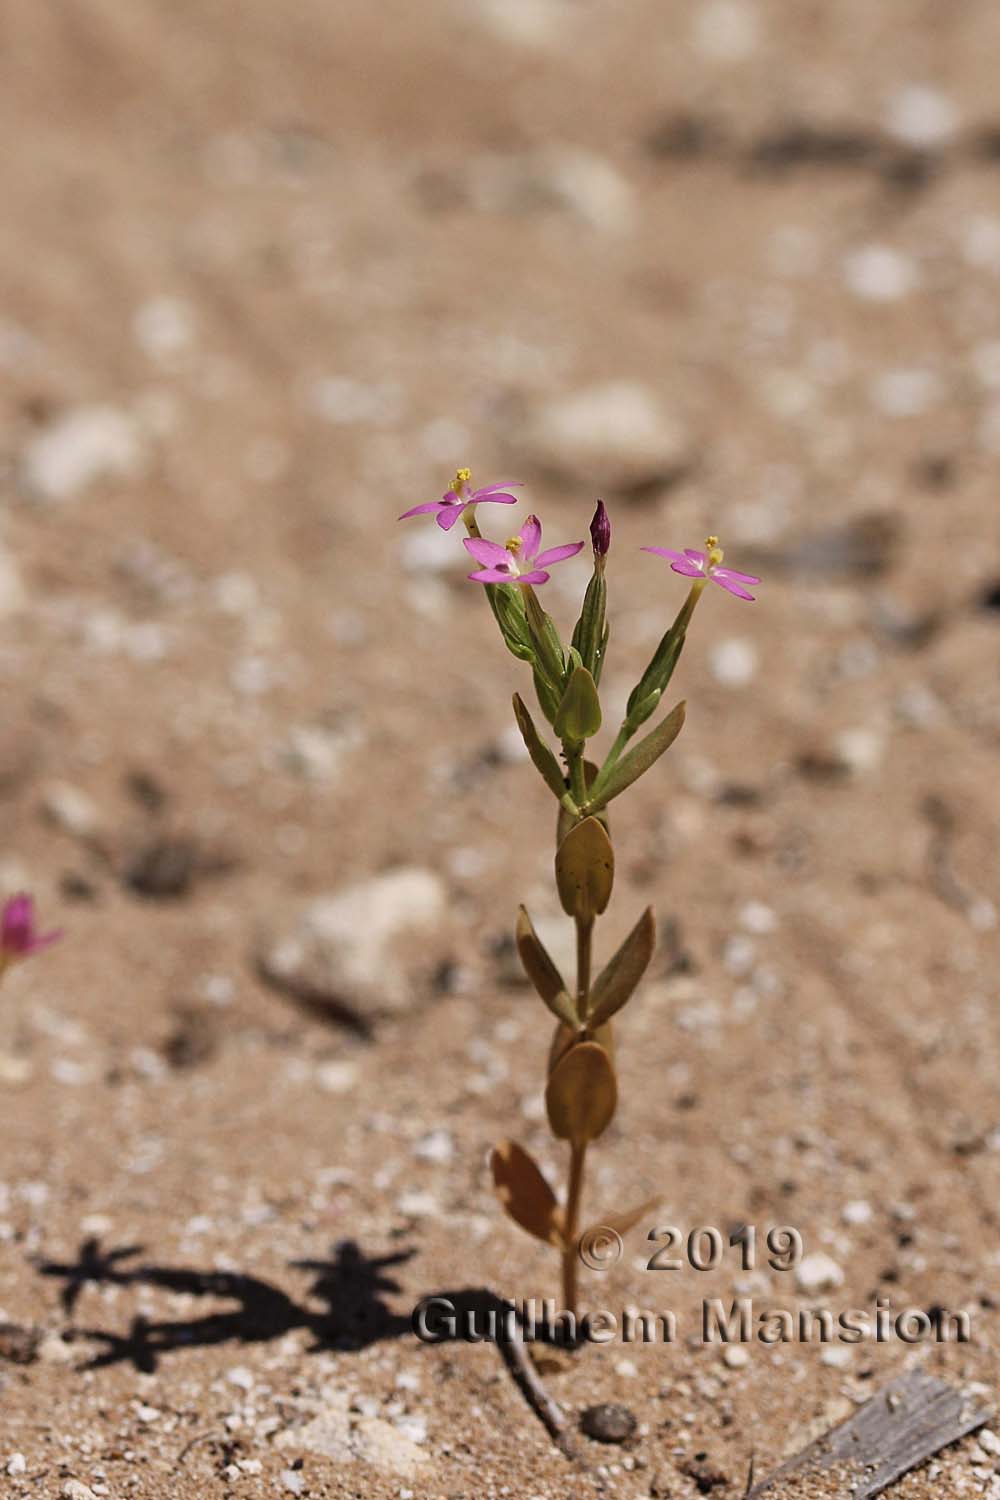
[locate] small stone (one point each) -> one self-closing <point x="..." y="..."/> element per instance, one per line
<point x="344" y="944"/>
<point x="877" y="273"/>
<point x="437" y="1146"/>
<point x="608" y="1422"/>
<point x="735" y="1357"/>
<point x="54" y="1350"/>
<point x="757" y="918"/>
<point x="860" y="749"/>
<point x="17" y="1464"/>
<point x="292" y="1481"/>
<point x="163" y="326"/>
<point x="617" y="435"/>
<point x="75" y="1489"/>
<point x="337" y="1077"/>
<point x="837" y="1358"/>
<point x="70" y="809"/>
<point x="147" y="1414"/>
<point x="921" y="117"/>
<point x="856" y="1212"/>
<point x="733" y="662"/>
<point x="818" y="1273"/>
<point x="241" y="1377"/>
<point x="989" y="1441"/>
<point x="77" y="450"/>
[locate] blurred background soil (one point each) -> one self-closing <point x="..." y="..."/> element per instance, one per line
<point x="268" y="274"/>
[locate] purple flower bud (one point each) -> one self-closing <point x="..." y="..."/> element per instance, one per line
<point x="600" y="530"/>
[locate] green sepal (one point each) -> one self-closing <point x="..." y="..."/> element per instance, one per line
<point x="590" y="633"/>
<point x="617" y="981"/>
<point x="542" y="757"/>
<point x="639" y="759"/>
<point x="642" y="711"/>
<point x="579" y="715"/>
<point x="508" y="610"/>
<point x="548" y="697"/>
<point x="544" y="638"/>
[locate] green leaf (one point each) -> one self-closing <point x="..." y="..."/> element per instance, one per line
<point x="585" y="870"/>
<point x="542" y="971"/>
<point x="640" y="758"/>
<point x="541" y="756"/>
<point x="579" y="715"/>
<point x="617" y="981"/>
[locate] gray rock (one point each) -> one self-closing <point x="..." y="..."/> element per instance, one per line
<point x="344" y="945"/>
<point x="610" y="436"/>
<point x="609" y="1422"/>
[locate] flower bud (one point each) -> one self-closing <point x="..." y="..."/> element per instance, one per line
<point x="600" y="530"/>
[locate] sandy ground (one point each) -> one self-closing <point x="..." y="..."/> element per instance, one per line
<point x="267" y="276"/>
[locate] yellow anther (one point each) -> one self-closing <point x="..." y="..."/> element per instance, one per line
<point x="711" y="541"/>
<point x="514" y="544"/>
<point x="462" y="477"/>
<point x="714" y="551"/>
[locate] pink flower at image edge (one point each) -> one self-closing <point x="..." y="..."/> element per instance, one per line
<point x="19" y="937"/>
<point x="501" y="565"/>
<point x="692" y="564"/>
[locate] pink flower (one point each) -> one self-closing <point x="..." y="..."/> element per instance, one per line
<point x="451" y="505"/>
<point x="18" y="936"/>
<point x="502" y="565"/>
<point x="701" y="565"/>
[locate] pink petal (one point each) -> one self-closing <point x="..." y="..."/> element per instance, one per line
<point x="423" y="510"/>
<point x="665" y="552"/>
<point x="732" y="573"/>
<point x="536" y="577"/>
<point x="491" y="575"/>
<point x="497" y="492"/>
<point x="531" y="536"/>
<point x="695" y="557"/>
<point x="731" y="587"/>
<point x="489" y="553"/>
<point x="448" y="515"/>
<point x="688" y="568"/>
<point x="557" y="554"/>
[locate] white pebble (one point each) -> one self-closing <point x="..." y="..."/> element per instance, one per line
<point x="79" y="448"/>
<point x="733" y="662"/>
<point x="437" y="1146"/>
<point x="838" y="1358"/>
<point x="818" y="1273"/>
<point x="877" y="273"/>
<point x="758" y="918"/>
<point x="735" y="1357"/>
<point x="163" y="326"/>
<point x="70" y="809"/>
<point x="905" y="393"/>
<point x="857" y="1212"/>
<point x="292" y="1481"/>
<point x="725" y="31"/>
<point x="17" y="1464"/>
<point x="921" y="117"/>
<point x="337" y="1077"/>
<point x="861" y="749"/>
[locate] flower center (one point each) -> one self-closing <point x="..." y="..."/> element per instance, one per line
<point x="714" y="553"/>
<point x="462" y="477"/>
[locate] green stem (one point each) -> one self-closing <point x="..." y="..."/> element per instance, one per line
<point x="584" y="932"/>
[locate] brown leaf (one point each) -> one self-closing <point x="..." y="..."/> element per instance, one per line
<point x="524" y="1194"/>
<point x="617" y="981"/>
<point x="542" y="971"/>
<point x="582" y="1094"/>
<point x="585" y="870"/>
<point x="622" y="1222"/>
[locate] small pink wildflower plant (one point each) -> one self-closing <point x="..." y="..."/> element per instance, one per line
<point x="19" y="935"/>
<point x="581" y="1094"/>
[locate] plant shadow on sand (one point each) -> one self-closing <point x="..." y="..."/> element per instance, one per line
<point x="352" y="1286"/>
